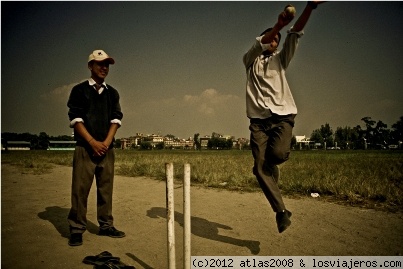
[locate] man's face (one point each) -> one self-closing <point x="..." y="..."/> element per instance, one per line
<point x="274" y="44"/>
<point x="99" y="70"/>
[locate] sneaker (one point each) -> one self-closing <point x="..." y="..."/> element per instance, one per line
<point x="111" y="232"/>
<point x="76" y="239"/>
<point x="283" y="220"/>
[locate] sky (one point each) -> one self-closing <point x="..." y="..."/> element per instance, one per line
<point x="179" y="64"/>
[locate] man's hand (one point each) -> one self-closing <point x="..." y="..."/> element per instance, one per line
<point x="319" y="2"/>
<point x="314" y="4"/>
<point x="284" y="19"/>
<point x="99" y="148"/>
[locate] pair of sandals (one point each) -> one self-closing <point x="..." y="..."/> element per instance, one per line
<point x="105" y="260"/>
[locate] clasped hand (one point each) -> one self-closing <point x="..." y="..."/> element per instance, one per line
<point x="99" y="148"/>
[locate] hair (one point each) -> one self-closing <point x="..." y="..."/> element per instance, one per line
<point x="268" y="29"/>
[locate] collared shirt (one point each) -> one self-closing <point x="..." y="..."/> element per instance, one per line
<point x="92" y="83"/>
<point x="267" y="90"/>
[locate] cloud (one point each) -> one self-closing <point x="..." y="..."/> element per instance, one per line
<point x="206" y="112"/>
<point x="210" y="101"/>
<point x="59" y="94"/>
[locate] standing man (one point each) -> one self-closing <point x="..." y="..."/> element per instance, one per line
<point x="95" y="115"/>
<point x="270" y="105"/>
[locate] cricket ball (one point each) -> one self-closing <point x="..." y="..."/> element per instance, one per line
<point x="290" y="11"/>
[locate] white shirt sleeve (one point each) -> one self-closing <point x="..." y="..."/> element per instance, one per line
<point x="73" y="122"/>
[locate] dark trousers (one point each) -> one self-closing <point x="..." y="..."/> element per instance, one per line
<point x="85" y="167"/>
<point x="270" y="140"/>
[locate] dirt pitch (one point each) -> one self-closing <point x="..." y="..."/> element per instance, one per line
<point x="34" y="231"/>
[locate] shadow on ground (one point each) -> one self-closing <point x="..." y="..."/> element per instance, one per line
<point x="207" y="229"/>
<point x="136" y="259"/>
<point x="58" y="217"/>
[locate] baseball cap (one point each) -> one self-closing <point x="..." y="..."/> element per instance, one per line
<point x="99" y="56"/>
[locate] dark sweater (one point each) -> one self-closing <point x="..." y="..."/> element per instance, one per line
<point x="97" y="110"/>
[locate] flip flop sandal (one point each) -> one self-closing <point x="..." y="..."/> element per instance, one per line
<point x="107" y="265"/>
<point x="113" y="265"/>
<point x="100" y="259"/>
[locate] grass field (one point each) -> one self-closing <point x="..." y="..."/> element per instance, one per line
<point x="371" y="179"/>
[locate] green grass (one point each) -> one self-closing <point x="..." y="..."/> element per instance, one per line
<point x="371" y="179"/>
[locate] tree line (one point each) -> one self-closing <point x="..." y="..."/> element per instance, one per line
<point x="40" y="141"/>
<point x="374" y="135"/>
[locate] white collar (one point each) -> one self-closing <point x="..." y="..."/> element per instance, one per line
<point x="92" y="82"/>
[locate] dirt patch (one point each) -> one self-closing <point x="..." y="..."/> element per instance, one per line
<point x="35" y="232"/>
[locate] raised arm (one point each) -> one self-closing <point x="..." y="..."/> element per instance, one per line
<point x="304" y="17"/>
<point x="268" y="37"/>
<point x="282" y="21"/>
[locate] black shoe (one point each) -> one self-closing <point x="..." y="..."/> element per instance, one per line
<point x="76" y="239"/>
<point x="111" y="232"/>
<point x="283" y="220"/>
